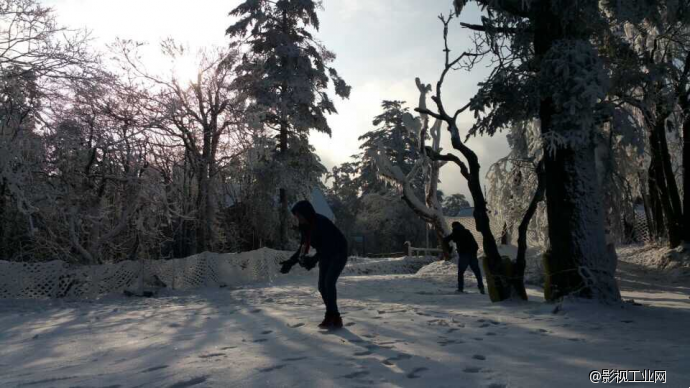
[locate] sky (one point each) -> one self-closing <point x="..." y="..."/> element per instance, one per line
<point x="381" y="46"/>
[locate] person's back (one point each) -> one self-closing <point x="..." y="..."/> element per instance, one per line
<point x="464" y="241"/>
<point x="467" y="254"/>
<point x="326" y="237"/>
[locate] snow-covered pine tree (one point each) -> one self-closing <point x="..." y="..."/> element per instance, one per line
<point x="285" y="72"/>
<point x="452" y="205"/>
<point x="397" y="142"/>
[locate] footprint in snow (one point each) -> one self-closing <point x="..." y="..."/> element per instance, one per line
<point x="415" y="373"/>
<point x="260" y="340"/>
<point x="450" y="342"/>
<point x="356" y="375"/>
<point x="212" y="355"/>
<point x="490" y="333"/>
<point x="296" y="325"/>
<point x="349" y="324"/>
<point x="267" y="332"/>
<point x="496" y="385"/>
<point x="483" y="325"/>
<point x="293" y="359"/>
<point x="364" y="353"/>
<point x="399" y="357"/>
<point x="472" y="369"/>
<point x="173" y="325"/>
<point x="190" y="383"/>
<point x="255" y="311"/>
<point x="272" y="368"/>
<point x="479" y="357"/>
<point x="155" y="368"/>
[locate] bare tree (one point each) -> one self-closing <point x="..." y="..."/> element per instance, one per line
<point x="203" y="115"/>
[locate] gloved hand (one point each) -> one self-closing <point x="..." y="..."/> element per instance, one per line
<point x="308" y="263"/>
<point x="286" y="266"/>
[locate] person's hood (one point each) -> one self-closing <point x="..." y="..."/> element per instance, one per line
<point x="305" y="209"/>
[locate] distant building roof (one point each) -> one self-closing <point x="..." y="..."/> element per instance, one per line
<point x="466" y="212"/>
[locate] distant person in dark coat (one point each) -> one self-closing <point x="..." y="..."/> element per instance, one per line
<point x="467" y="254"/>
<point x="319" y="232"/>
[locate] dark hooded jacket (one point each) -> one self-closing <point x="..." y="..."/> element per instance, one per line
<point x="463" y="239"/>
<point x="319" y="232"/>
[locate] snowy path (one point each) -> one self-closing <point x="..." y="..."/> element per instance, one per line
<point x="402" y="331"/>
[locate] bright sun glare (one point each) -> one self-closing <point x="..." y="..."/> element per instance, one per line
<point x="185" y="69"/>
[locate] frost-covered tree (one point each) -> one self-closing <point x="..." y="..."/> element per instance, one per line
<point x="285" y="71"/>
<point x="204" y="115"/>
<point x="36" y="55"/>
<point x="545" y="53"/>
<point x="512" y="182"/>
<point x="398" y="143"/>
<point x="658" y="36"/>
<point x="425" y="169"/>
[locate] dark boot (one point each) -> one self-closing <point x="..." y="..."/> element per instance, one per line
<point x="481" y="290"/>
<point x="336" y="321"/>
<point x="327" y="321"/>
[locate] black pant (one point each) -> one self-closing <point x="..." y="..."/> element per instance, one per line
<point x="465" y="259"/>
<point x="330" y="267"/>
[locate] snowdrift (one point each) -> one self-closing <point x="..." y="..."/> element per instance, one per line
<point x="675" y="262"/>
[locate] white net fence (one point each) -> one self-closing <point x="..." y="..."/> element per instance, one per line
<point x="641" y="229"/>
<point x="57" y="279"/>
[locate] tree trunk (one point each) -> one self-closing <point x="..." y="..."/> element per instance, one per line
<point x="498" y="271"/>
<point x="579" y="263"/>
<point x="664" y="188"/>
<point x="3" y="222"/>
<point x="657" y="230"/>
<point x="521" y="261"/>
<point x="204" y="214"/>
<point x="432" y="202"/>
<point x="686" y="177"/>
<point x="284" y="211"/>
<point x="283" y="217"/>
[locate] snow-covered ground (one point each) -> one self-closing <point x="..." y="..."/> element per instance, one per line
<point x="402" y="330"/>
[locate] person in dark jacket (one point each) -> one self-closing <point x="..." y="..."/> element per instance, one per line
<point x="467" y="254"/>
<point x="319" y="232"/>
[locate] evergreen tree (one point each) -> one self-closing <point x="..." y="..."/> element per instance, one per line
<point x="393" y="136"/>
<point x="453" y="204"/>
<point x="286" y="73"/>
